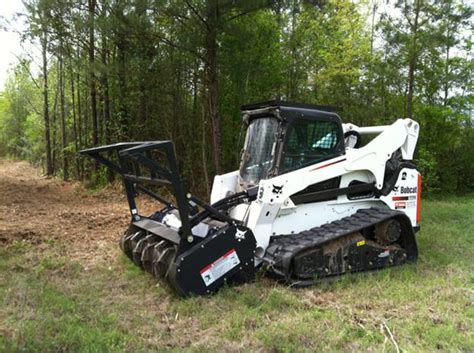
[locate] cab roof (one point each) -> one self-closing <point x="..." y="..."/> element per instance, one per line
<point x="290" y="111"/>
<point x="280" y="103"/>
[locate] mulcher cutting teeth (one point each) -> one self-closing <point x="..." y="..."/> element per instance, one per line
<point x="147" y="256"/>
<point x="162" y="256"/>
<point x="142" y="251"/>
<point x="129" y="242"/>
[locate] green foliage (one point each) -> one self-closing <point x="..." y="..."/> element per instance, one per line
<point x="4" y="121"/>
<point x="428" y="165"/>
<point x="150" y="71"/>
<point x="33" y="134"/>
<point x="444" y="157"/>
<point x="16" y="104"/>
<point x="250" y="57"/>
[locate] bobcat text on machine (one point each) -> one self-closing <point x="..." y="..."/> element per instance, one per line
<point x="308" y="202"/>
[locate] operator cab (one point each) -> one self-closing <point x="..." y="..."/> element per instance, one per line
<point x="282" y="137"/>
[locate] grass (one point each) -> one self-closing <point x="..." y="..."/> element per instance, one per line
<point x="51" y="303"/>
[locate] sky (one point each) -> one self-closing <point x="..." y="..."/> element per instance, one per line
<point x="9" y="40"/>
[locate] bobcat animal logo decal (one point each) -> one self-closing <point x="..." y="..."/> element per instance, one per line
<point x="277" y="189"/>
<point x="240" y="234"/>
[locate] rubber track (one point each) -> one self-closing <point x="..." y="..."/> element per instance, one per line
<point x="284" y="248"/>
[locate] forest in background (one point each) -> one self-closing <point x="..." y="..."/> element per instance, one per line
<point x="104" y="71"/>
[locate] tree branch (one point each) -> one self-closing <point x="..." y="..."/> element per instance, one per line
<point x="196" y="13"/>
<point x="248" y="11"/>
<point x="22" y="63"/>
<point x="169" y="42"/>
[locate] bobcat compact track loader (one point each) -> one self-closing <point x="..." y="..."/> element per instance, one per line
<point x="308" y="202"/>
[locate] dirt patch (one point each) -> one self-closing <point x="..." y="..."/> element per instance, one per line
<point x="36" y="209"/>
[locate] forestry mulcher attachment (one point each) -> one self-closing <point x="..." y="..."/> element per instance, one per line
<point x="308" y="202"/>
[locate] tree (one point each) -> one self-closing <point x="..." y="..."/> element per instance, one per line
<point x="38" y="15"/>
<point x="113" y="71"/>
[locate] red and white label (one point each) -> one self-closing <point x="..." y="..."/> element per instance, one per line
<point x="400" y="205"/>
<point x="220" y="267"/>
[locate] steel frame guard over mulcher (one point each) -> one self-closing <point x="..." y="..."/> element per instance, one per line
<point x="133" y="158"/>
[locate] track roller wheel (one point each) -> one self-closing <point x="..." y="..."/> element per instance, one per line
<point x="388" y="232"/>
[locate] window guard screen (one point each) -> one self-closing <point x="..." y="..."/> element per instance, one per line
<point x="308" y="142"/>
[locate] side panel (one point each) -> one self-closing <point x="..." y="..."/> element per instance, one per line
<point x="307" y="216"/>
<point x="405" y="195"/>
<point x="223" y="184"/>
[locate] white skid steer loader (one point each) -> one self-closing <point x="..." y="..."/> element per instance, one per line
<point x="308" y="202"/>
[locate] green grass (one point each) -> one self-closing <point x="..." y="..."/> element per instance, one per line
<point x="51" y="303"/>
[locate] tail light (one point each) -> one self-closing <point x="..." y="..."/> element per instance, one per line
<point x="418" y="199"/>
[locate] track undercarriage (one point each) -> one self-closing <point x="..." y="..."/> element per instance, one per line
<point x="370" y="239"/>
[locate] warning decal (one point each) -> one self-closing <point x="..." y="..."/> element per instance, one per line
<point x="400" y="205"/>
<point x="220" y="267"/>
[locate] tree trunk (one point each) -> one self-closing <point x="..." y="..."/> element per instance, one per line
<point x="92" y="78"/>
<point x="80" y="123"/>
<point x="54" y="125"/>
<point x="411" y="87"/>
<point x="122" y="73"/>
<point x="292" y="90"/>
<point x="413" y="61"/>
<point x="74" y="124"/>
<point x="372" y="29"/>
<point x="106" y="99"/>
<point x="204" y="154"/>
<point x="212" y="82"/>
<point x="47" y="137"/>
<point x="63" y="119"/>
<point x="446" y="67"/>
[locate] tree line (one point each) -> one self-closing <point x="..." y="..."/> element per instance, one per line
<point x="104" y="71"/>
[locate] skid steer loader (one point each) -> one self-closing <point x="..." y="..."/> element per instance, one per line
<point x="308" y="202"/>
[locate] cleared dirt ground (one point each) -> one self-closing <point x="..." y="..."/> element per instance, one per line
<point x="65" y="286"/>
<point x="35" y="209"/>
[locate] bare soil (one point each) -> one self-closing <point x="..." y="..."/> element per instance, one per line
<point x="37" y="209"/>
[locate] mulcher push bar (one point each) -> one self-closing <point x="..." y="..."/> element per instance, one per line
<point x="132" y="159"/>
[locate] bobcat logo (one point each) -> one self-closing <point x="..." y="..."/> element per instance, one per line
<point x="277" y="189"/>
<point x="240" y="234"/>
<point x="395" y="188"/>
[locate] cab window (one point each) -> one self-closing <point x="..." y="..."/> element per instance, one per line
<point x="308" y="142"/>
